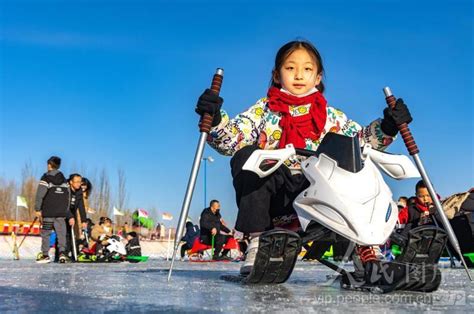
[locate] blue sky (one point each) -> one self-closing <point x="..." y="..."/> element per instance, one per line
<point x="114" y="84"/>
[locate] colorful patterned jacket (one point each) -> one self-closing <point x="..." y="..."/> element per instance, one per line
<point x="259" y="125"/>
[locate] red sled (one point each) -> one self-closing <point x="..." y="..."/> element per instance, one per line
<point x="197" y="251"/>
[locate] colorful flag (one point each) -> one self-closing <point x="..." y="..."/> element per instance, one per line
<point x="117" y="212"/>
<point x="142" y="213"/>
<point x="167" y="216"/>
<point x="21" y="202"/>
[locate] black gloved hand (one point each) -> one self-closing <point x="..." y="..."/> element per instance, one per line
<point x="392" y="118"/>
<point x="210" y="103"/>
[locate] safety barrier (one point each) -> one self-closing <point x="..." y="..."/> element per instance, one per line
<point x="19" y="227"/>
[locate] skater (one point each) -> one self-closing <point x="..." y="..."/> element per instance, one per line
<point x="77" y="209"/>
<point x="294" y="111"/>
<point x="211" y="226"/>
<point x="51" y="206"/>
<point x="133" y="246"/>
<point x="192" y="232"/>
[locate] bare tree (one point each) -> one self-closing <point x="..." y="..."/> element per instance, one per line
<point x="29" y="184"/>
<point x="122" y="194"/>
<point x="7" y="199"/>
<point x="101" y="196"/>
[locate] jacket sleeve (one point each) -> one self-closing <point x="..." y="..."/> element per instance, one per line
<point x="41" y="193"/>
<point x="339" y="123"/>
<point x="224" y="228"/>
<point x="232" y="134"/>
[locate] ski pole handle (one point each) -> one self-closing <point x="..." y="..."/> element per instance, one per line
<point x="206" y="120"/>
<point x="403" y="128"/>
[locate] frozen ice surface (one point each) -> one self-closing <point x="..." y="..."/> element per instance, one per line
<point x="195" y="287"/>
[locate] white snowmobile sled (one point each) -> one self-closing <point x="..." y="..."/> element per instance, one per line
<point x="348" y="196"/>
<point x="114" y="251"/>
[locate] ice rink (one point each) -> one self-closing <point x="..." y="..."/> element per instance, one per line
<point x="196" y="287"/>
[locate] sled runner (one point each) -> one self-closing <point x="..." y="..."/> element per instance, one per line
<point x="384" y="277"/>
<point x="275" y="260"/>
<point x="423" y="245"/>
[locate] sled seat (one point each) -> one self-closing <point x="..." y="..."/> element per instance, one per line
<point x="91" y="250"/>
<point x="199" y="248"/>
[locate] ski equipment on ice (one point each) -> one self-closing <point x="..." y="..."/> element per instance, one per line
<point x="414" y="151"/>
<point x="205" y="127"/>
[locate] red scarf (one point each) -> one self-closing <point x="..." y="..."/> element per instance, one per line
<point x="422" y="207"/>
<point x="296" y="130"/>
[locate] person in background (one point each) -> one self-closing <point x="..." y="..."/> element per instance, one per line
<point x="402" y="211"/>
<point x="192" y="232"/>
<point x="86" y="187"/>
<point x="51" y="206"/>
<point x="77" y="209"/>
<point x="211" y="226"/>
<point x="421" y="210"/>
<point x="100" y="234"/>
<point x="133" y="245"/>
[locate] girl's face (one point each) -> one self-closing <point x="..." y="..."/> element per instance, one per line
<point x="299" y="73"/>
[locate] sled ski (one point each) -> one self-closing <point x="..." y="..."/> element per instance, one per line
<point x="137" y="258"/>
<point x="424" y="245"/>
<point x="275" y="260"/>
<point x="415" y="269"/>
<point x="393" y="276"/>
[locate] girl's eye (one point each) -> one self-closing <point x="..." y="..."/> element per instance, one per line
<point x="289" y="68"/>
<point x="308" y="69"/>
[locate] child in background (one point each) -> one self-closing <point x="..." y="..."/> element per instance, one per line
<point x="133" y="245"/>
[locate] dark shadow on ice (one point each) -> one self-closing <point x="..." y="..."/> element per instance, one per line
<point x="21" y="300"/>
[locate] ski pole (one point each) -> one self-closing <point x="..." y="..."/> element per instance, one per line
<point x="73" y="240"/>
<point x="205" y="127"/>
<point x="414" y="151"/>
<point x="29" y="229"/>
<point x="212" y="246"/>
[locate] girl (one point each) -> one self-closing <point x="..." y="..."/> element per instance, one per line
<point x="294" y="111"/>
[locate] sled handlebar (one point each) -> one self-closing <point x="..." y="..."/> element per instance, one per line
<point x="206" y="120"/>
<point x="305" y="152"/>
<point x="403" y="128"/>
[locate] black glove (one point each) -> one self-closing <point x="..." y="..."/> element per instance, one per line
<point x="210" y="103"/>
<point x="394" y="117"/>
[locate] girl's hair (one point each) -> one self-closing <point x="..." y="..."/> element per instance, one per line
<point x="88" y="184"/>
<point x="288" y="49"/>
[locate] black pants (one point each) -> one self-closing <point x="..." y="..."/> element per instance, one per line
<point x="219" y="241"/>
<point x="261" y="199"/>
<point x="184" y="248"/>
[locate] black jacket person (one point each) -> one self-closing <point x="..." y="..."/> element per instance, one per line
<point x="76" y="209"/>
<point x="211" y="225"/>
